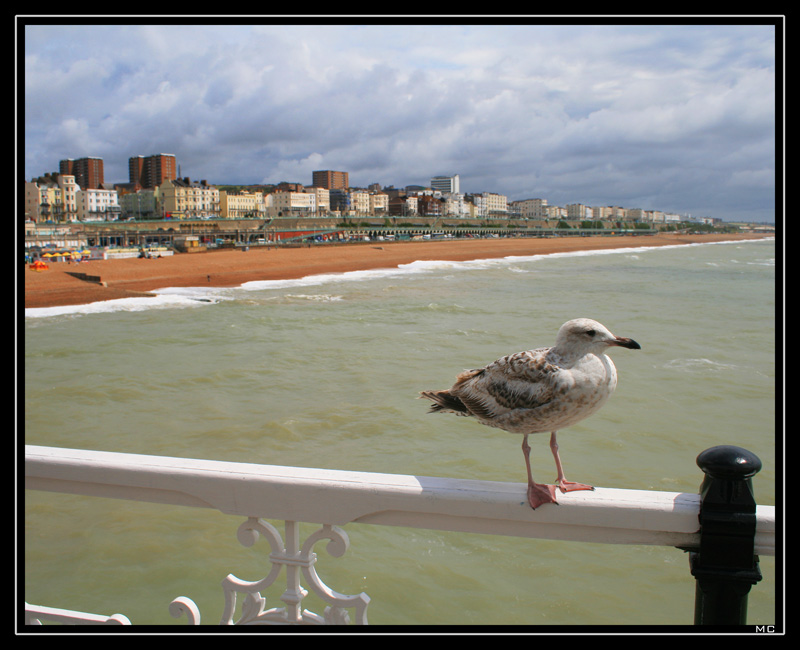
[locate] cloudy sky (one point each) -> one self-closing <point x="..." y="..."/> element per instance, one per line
<point x="679" y="118"/>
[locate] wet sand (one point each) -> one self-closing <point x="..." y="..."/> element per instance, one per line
<point x="123" y="278"/>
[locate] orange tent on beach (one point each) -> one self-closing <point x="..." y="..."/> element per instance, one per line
<point x="38" y="265"/>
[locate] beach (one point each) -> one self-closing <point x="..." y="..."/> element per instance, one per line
<point x="64" y="284"/>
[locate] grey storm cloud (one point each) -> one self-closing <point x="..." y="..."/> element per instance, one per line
<point x="674" y="117"/>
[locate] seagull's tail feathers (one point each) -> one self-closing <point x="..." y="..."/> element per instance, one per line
<point x="443" y="401"/>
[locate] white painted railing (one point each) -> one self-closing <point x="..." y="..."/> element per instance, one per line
<point x="334" y="498"/>
<point x="35" y="614"/>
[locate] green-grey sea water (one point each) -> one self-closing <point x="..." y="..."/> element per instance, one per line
<point x="325" y="372"/>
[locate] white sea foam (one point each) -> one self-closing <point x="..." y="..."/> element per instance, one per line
<point x="765" y="262"/>
<point x="314" y="297"/>
<point x="322" y="278"/>
<point x="169" y="298"/>
<point x="699" y="365"/>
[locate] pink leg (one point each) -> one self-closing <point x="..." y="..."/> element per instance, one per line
<point x="538" y="493"/>
<point x="563" y="484"/>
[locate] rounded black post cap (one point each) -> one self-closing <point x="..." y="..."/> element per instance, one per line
<point x="729" y="462"/>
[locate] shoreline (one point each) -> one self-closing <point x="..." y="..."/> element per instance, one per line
<point x="61" y="285"/>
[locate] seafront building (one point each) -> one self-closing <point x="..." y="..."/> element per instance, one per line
<point x="610" y="213"/>
<point x="138" y="205"/>
<point x="52" y="199"/>
<point x="149" y="172"/>
<point x="358" y="202"/>
<point x="97" y="205"/>
<point x="88" y="172"/>
<point x="579" y="212"/>
<point x="455" y="205"/>
<point x="322" y="198"/>
<point x="155" y="192"/>
<point x="241" y="205"/>
<point x="429" y="206"/>
<point x="185" y="199"/>
<point x="290" y="204"/>
<point x="530" y="208"/>
<point x="446" y="184"/>
<point x="402" y="205"/>
<point x="496" y="205"/>
<point x="330" y="180"/>
<point x="378" y="203"/>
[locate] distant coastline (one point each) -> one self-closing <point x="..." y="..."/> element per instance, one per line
<point x="67" y="284"/>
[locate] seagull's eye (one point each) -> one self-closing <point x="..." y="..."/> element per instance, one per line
<point x="590" y="332"/>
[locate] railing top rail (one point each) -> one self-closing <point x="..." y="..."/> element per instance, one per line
<point x="338" y="497"/>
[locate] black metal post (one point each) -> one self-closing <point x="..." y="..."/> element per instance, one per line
<point x="725" y="566"/>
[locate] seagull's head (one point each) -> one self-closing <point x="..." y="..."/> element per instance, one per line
<point x="586" y="335"/>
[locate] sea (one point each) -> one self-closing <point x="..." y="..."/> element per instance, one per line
<point x="325" y="372"/>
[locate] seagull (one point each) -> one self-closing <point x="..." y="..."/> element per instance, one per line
<point x="540" y="390"/>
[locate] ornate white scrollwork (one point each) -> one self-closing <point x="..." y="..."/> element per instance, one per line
<point x="297" y="560"/>
<point x="183" y="605"/>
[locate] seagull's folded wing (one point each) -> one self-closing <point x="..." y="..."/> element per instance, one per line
<point x="524" y="380"/>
